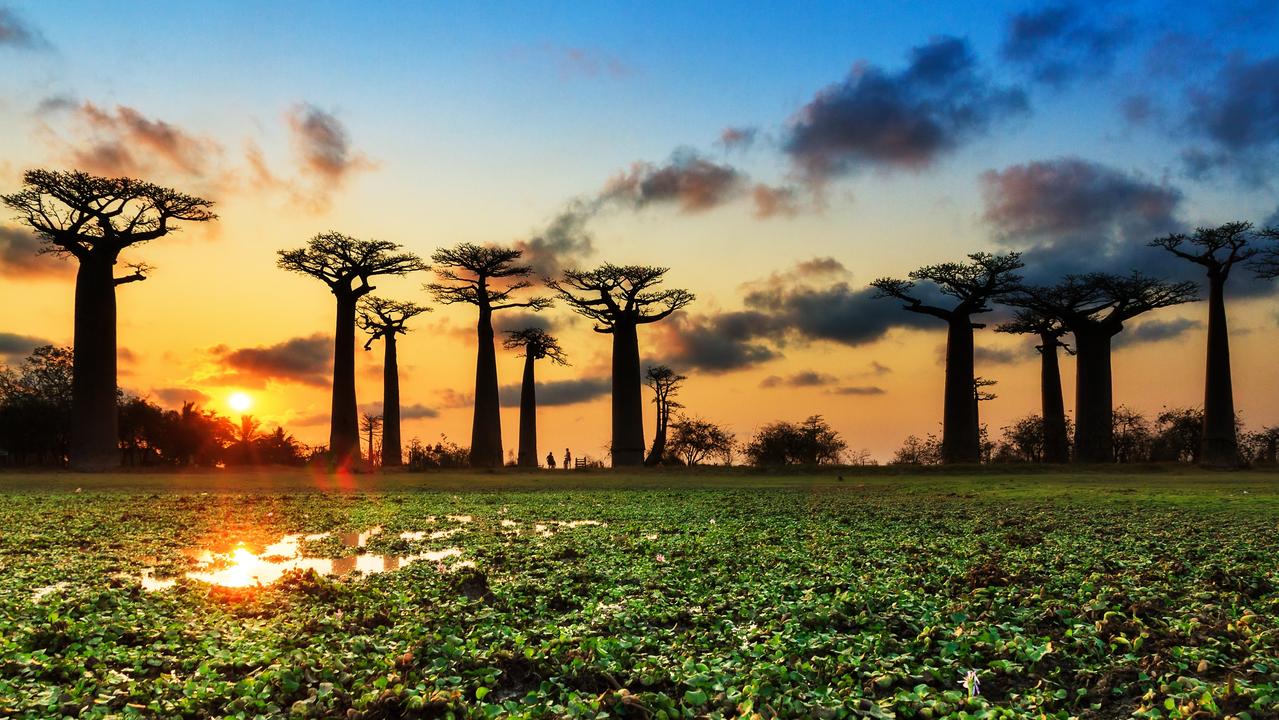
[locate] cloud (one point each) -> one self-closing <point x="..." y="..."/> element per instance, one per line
<point x="1057" y="44"/>
<point x="14" y="348"/>
<point x="305" y="360"/>
<point x="175" y="397"/>
<point x="512" y="320"/>
<point x="452" y="399"/>
<point x="804" y="378"/>
<point x="737" y="138"/>
<point x="878" y="368"/>
<point x="1155" y="331"/>
<point x="899" y="120"/>
<point x="771" y="201"/>
<point x="716" y="343"/>
<point x="123" y="141"/>
<point x="560" y="392"/>
<point x="1273" y="220"/>
<point x="996" y="356"/>
<point x="15" y="33"/>
<point x="324" y="151"/>
<point x="564" y="244"/>
<point x="858" y="390"/>
<point x="20" y="256"/>
<point x="575" y="62"/>
<point x="688" y="180"/>
<point x="835" y="312"/>
<point x="1237" y="114"/>
<point x="414" y="411"/>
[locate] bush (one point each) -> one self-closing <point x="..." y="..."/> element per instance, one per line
<point x="811" y="442"/>
<point x="443" y="454"/>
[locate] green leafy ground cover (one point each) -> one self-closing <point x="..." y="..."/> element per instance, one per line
<point x="1091" y="596"/>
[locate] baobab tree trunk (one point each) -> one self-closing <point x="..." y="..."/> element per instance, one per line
<point x="344" y="424"/>
<point x="527" y="457"/>
<point x="486" y="426"/>
<point x="95" y="419"/>
<point x="959" y="439"/>
<point x="628" y="409"/>
<point x="1094" y="402"/>
<point x="658" y="451"/>
<point x="1056" y="442"/>
<point x="392" y="455"/>
<point x="1220" y="444"/>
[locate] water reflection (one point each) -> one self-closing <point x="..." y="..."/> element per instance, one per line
<point x="241" y="567"/>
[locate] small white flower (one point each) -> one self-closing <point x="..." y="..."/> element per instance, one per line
<point x="971" y="683"/>
<point x="661" y="558"/>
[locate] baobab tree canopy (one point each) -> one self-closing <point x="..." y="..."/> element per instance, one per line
<point x="340" y="261"/>
<point x="619" y="298"/>
<point x="384" y="319"/>
<point x="93" y="219"/>
<point x="537" y="344"/>
<point x="486" y="276"/>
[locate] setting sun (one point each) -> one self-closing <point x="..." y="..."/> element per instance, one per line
<point x="239" y="402"/>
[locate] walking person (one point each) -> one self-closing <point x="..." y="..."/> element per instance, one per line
<point x="550" y="460"/>
<point x="568" y="460"/>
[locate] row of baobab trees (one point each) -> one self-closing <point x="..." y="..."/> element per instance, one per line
<point x="93" y="219"/>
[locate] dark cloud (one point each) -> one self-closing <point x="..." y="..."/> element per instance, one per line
<point x="20" y="256"/>
<point x="908" y="119"/>
<point x="512" y="320"/>
<point x="1237" y="114"/>
<point x="737" y="138"/>
<point x="858" y="390"/>
<point x="1057" y="44"/>
<point x="175" y="397"/>
<point x="14" y="348"/>
<point x="804" y="378"/>
<point x="878" y="368"/>
<point x="452" y="399"/>
<point x="323" y="145"/>
<point x="305" y="360"/>
<point x="16" y="33"/>
<point x="560" y="392"/>
<point x="688" y="180"/>
<point x="564" y="244"/>
<point x="415" y="411"/>
<point x="996" y="356"/>
<point x="835" y="312"/>
<point x="1154" y="331"/>
<point x="717" y="343"/>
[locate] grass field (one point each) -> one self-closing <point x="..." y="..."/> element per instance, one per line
<point x="1104" y="594"/>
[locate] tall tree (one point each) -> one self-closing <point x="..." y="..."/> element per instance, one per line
<point x="1094" y="307"/>
<point x="537" y="344"/>
<point x="487" y="277"/>
<point x="1266" y="265"/>
<point x="346" y="264"/>
<point x="371" y="425"/>
<point x="620" y="298"/>
<point x="384" y="319"/>
<point x="1218" y="250"/>
<point x="664" y="382"/>
<point x="1053" y="406"/>
<point x="974" y="285"/>
<point x="93" y="219"/>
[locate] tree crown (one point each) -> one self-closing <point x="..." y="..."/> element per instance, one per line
<point x="338" y="260"/>
<point x="985" y="277"/>
<point x="1217" y="249"/>
<point x="1102" y="301"/>
<point x="1266" y="264"/>
<point x="466" y="269"/>
<point x="537" y="344"/>
<point x="620" y="294"/>
<point x="383" y="318"/>
<point x="84" y="215"/>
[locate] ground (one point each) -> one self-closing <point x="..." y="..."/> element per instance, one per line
<point x="698" y="595"/>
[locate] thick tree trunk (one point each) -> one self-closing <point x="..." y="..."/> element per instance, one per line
<point x="1220" y="444"/>
<point x="658" y="451"/>
<point x="95" y="438"/>
<point x="959" y="435"/>
<point x="527" y="457"/>
<point x="392" y="454"/>
<point x="344" y="425"/>
<point x="1094" y="403"/>
<point x="1056" y="441"/>
<point x="486" y="426"/>
<point x="628" y="408"/>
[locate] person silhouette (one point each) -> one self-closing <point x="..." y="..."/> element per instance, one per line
<point x="568" y="460"/>
<point x="550" y="460"/>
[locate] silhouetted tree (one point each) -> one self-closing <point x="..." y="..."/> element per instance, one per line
<point x="1132" y="436"/>
<point x="620" y="298"/>
<point x="974" y="285"/>
<point x="340" y="261"/>
<point x="370" y="425"/>
<point x="1056" y="444"/>
<point x="1094" y="308"/>
<point x="664" y="382"/>
<point x="1266" y="264"/>
<point x="811" y="442"/>
<point x="93" y="219"/>
<point x="486" y="277"/>
<point x="384" y="319"/>
<point x="35" y="407"/>
<point x="1218" y="249"/>
<point x="537" y="345"/>
<point x="694" y="441"/>
<point x="918" y="451"/>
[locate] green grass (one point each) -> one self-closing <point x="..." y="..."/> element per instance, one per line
<point x="1096" y="594"/>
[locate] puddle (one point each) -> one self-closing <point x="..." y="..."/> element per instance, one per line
<point x="546" y="528"/>
<point x="241" y="567"/>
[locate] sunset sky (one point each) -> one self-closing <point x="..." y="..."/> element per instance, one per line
<point x="777" y="157"/>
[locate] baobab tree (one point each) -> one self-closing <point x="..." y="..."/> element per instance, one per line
<point x="486" y="277"/>
<point x="371" y="425"/>
<point x="346" y="264"/>
<point x="93" y="219"/>
<point x="1266" y="264"/>
<point x="620" y="298"/>
<point x="975" y="284"/>
<point x="1218" y="250"/>
<point x="664" y="382"/>
<point x="1094" y="308"/>
<point x="1052" y="404"/>
<point x="537" y="344"/>
<point x="384" y="319"/>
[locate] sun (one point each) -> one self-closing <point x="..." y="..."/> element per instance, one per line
<point x="239" y="401"/>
